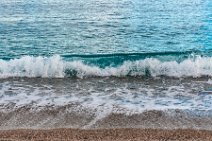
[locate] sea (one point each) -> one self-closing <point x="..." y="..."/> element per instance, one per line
<point x="105" y="63"/>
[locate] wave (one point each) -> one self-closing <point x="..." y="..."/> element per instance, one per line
<point x="56" y="67"/>
<point x="133" y="54"/>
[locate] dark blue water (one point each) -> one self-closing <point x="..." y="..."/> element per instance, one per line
<point x="104" y="33"/>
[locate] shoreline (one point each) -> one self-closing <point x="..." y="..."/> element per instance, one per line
<point x="65" y="117"/>
<point x="121" y="134"/>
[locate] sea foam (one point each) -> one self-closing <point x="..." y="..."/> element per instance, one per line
<point x="56" y="67"/>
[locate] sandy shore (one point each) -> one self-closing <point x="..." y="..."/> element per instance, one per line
<point x="108" y="135"/>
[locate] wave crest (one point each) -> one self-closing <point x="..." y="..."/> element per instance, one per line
<point x="28" y="66"/>
<point x="55" y="67"/>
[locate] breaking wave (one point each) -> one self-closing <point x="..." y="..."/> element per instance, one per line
<point x="57" y="67"/>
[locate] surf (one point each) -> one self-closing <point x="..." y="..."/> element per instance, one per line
<point x="58" y="66"/>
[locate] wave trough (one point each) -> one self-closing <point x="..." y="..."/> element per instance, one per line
<point x="56" y="67"/>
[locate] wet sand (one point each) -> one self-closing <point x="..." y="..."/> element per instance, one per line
<point x="108" y="135"/>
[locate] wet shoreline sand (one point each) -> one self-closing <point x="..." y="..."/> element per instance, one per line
<point x="107" y="134"/>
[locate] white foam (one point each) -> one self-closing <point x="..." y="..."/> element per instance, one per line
<point x="55" y="67"/>
<point x="119" y="100"/>
<point x="32" y="67"/>
<point x="209" y="81"/>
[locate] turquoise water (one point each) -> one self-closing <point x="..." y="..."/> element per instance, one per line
<point x="103" y="33"/>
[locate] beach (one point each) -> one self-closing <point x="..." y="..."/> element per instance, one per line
<point x="147" y="126"/>
<point x="108" y="135"/>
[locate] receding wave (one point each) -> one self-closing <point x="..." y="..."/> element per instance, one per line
<point x="56" y="67"/>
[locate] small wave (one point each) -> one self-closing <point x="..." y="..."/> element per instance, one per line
<point x="56" y="67"/>
<point x="133" y="54"/>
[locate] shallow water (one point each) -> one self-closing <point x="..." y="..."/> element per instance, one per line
<point x="164" y="103"/>
<point x="126" y="95"/>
